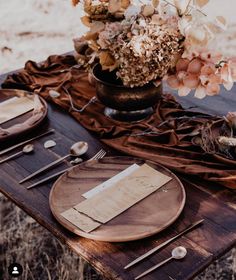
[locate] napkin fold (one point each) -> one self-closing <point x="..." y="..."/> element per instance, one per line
<point x="14" y="107"/>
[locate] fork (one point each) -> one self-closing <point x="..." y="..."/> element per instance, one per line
<point x="100" y="154"/>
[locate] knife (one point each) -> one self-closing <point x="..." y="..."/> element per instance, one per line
<point x="152" y="251"/>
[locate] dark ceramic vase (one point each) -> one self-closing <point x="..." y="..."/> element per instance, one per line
<point x="124" y="103"/>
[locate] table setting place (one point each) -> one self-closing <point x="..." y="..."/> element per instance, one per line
<point x="113" y="197"/>
<point x="112" y="85"/>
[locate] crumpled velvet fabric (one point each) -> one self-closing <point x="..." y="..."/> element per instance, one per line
<point x="172" y="127"/>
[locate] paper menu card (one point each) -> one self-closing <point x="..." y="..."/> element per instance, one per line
<point x="14" y="107"/>
<point x="112" y="201"/>
<point x="84" y="222"/>
<point x="81" y="221"/>
<point x="110" y="182"/>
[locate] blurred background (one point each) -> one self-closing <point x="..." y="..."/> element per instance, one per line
<point x="35" y="29"/>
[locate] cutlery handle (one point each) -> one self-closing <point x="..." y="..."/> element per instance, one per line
<point x="97" y="156"/>
<point x="44" y="168"/>
<point x="10" y="157"/>
<point x="48" y="178"/>
<point x="153" y="268"/>
<point x="25" y="142"/>
<point x="152" y="251"/>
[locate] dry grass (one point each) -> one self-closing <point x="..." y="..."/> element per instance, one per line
<point x="43" y="257"/>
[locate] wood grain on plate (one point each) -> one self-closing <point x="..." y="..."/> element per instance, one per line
<point x="22" y="129"/>
<point x="146" y="218"/>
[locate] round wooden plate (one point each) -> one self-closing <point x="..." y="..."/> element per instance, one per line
<point x="21" y="129"/>
<point x="146" y="218"/>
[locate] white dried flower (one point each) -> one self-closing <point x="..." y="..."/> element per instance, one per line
<point x="227" y="141"/>
<point x="132" y="11"/>
<point x="231" y="118"/>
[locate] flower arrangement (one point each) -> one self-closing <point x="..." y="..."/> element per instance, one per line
<point x="145" y="41"/>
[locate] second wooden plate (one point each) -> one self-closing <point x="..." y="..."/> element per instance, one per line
<point x="17" y="125"/>
<point x="146" y="218"/>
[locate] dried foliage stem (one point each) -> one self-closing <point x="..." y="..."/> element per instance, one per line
<point x="169" y="3"/>
<point x="188" y="4"/>
<point x="72" y="106"/>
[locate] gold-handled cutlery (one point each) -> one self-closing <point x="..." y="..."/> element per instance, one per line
<point x="155" y="249"/>
<point x="177" y="253"/>
<point x="27" y="149"/>
<point x="26" y="142"/>
<point x="77" y="149"/>
<point x="98" y="155"/>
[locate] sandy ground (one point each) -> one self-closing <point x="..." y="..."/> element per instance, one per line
<point x="35" y="29"/>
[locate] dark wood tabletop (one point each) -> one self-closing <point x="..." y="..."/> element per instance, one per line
<point x="210" y="201"/>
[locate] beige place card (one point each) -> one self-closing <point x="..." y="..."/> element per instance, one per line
<point x="79" y="220"/>
<point x="112" y="201"/>
<point x="14" y="107"/>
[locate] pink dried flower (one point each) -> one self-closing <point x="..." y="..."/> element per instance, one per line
<point x="196" y="74"/>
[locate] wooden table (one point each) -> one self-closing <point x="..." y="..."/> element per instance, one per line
<point x="204" y="200"/>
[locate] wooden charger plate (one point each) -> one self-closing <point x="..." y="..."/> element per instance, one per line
<point x="21" y="129"/>
<point x="146" y="218"/>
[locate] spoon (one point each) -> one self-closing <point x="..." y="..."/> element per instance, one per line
<point x="26" y="150"/>
<point x="177" y="254"/>
<point x="77" y="149"/>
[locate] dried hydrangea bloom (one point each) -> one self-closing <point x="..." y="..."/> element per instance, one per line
<point x="146" y="59"/>
<point x="97" y="11"/>
<point x="85" y="55"/>
<point x="145" y="51"/>
<point x="111" y="32"/>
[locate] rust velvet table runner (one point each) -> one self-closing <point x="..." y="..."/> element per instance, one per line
<point x="172" y="127"/>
